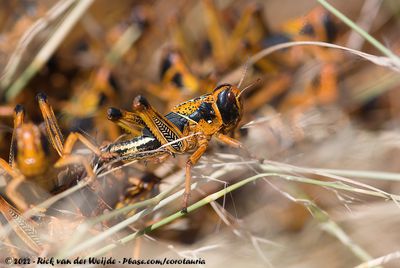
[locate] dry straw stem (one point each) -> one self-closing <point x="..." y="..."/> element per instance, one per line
<point x="325" y="221"/>
<point x="128" y="38"/>
<point x="331" y="227"/>
<point x="52" y="15"/>
<point x="363" y="33"/>
<point x="4" y="232"/>
<point x="160" y="201"/>
<point x="48" y="49"/>
<point x="363" y="93"/>
<point x="392" y="63"/>
<point x="359" y="174"/>
<point x="380" y="261"/>
<point x="365" y="21"/>
<point x="207" y="200"/>
<point x="342" y="184"/>
<point x="387" y="62"/>
<point x="321" y="216"/>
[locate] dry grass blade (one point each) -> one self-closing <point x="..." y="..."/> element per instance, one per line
<point x="361" y="31"/>
<point x="380" y="261"/>
<point x="325" y="222"/>
<point x="80" y="247"/>
<point x="123" y="44"/>
<point x="387" y="62"/>
<point x="368" y="14"/>
<point x="15" y="59"/>
<point x="48" y="48"/>
<point x="212" y="197"/>
<point x="391" y="63"/>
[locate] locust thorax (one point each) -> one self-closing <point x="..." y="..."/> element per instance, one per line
<point x="29" y="147"/>
<point x="30" y="150"/>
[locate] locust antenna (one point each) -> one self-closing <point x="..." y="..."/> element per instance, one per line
<point x="249" y="86"/>
<point x="246" y="66"/>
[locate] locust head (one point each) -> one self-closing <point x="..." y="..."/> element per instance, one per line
<point x="229" y="104"/>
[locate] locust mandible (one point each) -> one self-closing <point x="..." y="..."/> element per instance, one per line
<point x="187" y="128"/>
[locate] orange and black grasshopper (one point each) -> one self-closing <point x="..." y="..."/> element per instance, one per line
<point x="188" y="127"/>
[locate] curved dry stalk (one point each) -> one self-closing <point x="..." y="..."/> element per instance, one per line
<point x="48" y="49"/>
<point x="212" y="197"/>
<point x="362" y="32"/>
<point x="54" y="13"/>
<point x="77" y="248"/>
<point x="380" y="261"/>
<point x="365" y="21"/>
<point x="326" y="223"/>
<point x="391" y="63"/>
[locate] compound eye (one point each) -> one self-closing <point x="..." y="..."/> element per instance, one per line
<point x="231" y="96"/>
<point x="227" y="106"/>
